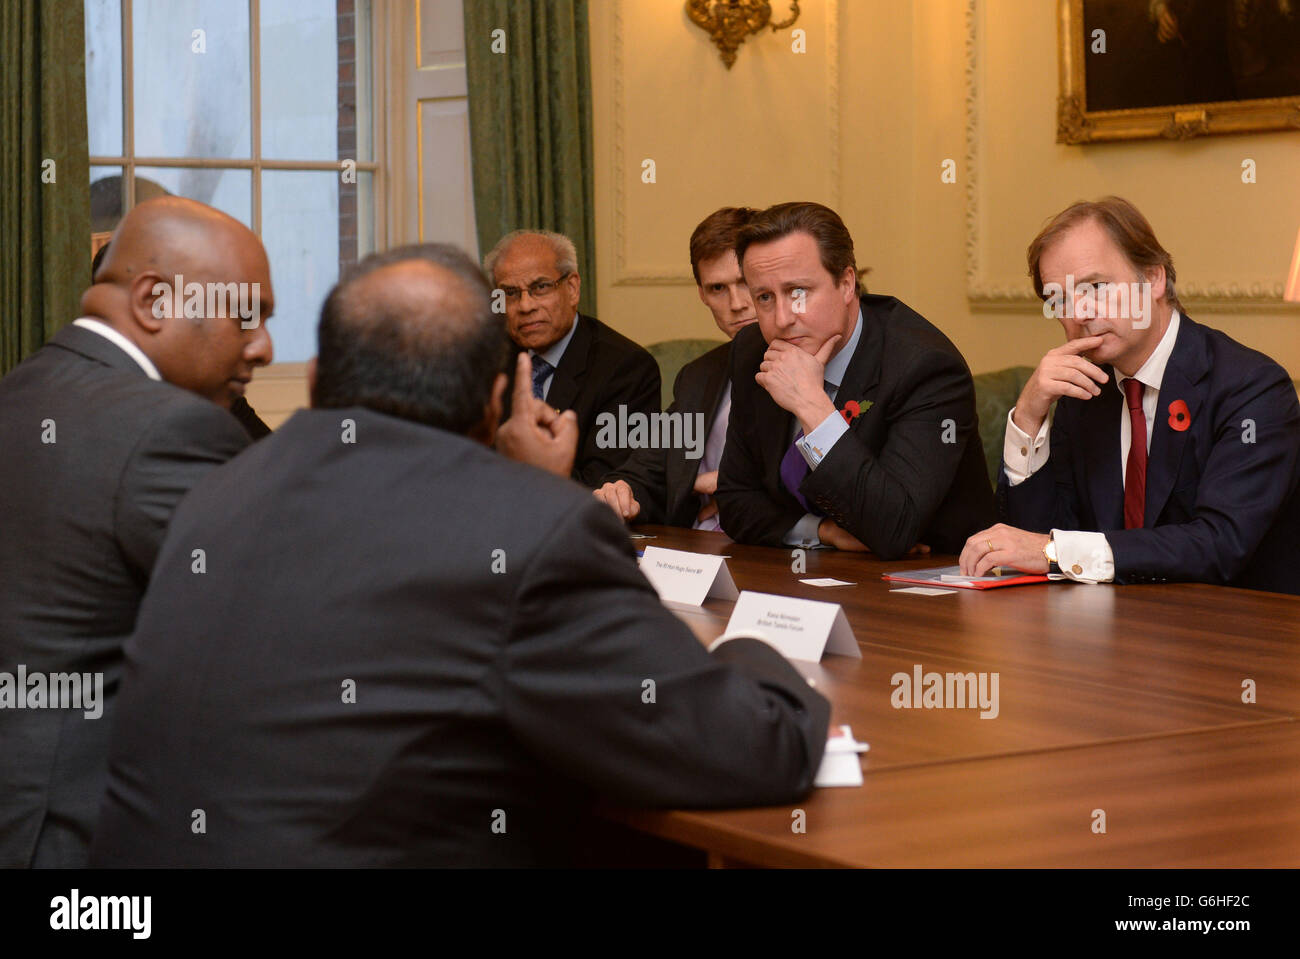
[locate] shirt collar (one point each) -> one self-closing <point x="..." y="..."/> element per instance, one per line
<point x="1152" y="372"/>
<point x="121" y="342"/>
<point x="839" y="363"/>
<point x="555" y="352"/>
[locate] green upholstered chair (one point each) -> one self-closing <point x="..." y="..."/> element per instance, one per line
<point x="995" y="394"/>
<point x="672" y="355"/>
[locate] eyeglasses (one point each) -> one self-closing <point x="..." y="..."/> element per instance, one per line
<point x="537" y="289"/>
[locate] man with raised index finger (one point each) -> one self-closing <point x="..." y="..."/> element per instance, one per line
<point x="405" y="668"/>
<point x="854" y="421"/>
<point x="1173" y="452"/>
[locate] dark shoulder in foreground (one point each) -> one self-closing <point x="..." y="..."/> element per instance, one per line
<point x="133" y="402"/>
<point x="484" y="480"/>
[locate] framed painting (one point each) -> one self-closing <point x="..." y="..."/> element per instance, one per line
<point x="1134" y="69"/>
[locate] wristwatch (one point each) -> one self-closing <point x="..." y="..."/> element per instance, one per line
<point x="1049" y="553"/>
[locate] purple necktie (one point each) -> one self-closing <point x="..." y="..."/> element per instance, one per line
<point x="794" y="468"/>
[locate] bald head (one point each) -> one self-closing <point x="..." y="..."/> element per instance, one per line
<point x="419" y="305"/>
<point x="411" y="333"/>
<point x="171" y="235"/>
<point x="191" y="287"/>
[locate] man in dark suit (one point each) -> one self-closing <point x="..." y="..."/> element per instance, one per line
<point x="854" y="423"/>
<point x="399" y="671"/>
<point x="104" y="430"/>
<point x="578" y="362"/>
<point x="1174" y="451"/>
<point x="675" y="484"/>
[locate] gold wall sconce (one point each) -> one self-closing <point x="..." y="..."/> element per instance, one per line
<point x="728" y="22"/>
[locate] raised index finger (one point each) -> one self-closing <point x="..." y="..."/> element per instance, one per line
<point x="523" y="391"/>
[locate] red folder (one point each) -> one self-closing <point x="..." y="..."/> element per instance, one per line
<point x="934" y="577"/>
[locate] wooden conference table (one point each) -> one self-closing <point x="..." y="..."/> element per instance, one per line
<point x="1126" y="699"/>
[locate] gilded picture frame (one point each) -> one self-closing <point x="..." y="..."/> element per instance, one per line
<point x="1225" y="51"/>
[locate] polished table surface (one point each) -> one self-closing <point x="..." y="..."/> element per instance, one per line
<point x="1124" y="699"/>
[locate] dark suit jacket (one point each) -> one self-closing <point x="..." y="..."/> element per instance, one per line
<point x="893" y="479"/>
<point x="1219" y="509"/>
<point x="601" y="369"/>
<point x="663" y="480"/>
<point x="84" y="518"/>
<point x="503" y="659"/>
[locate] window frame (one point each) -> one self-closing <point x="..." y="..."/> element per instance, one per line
<point x="255" y="162"/>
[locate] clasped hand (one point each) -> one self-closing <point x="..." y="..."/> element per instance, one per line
<point x="794" y="379"/>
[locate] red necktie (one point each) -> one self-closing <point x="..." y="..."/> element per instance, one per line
<point x="1135" y="474"/>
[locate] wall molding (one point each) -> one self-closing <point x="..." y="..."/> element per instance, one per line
<point x="1221" y="296"/>
<point x="639" y="275"/>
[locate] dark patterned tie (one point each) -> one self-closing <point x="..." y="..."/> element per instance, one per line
<point x="1135" y="474"/>
<point x="541" y="370"/>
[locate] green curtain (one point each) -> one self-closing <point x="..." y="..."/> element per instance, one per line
<point x="530" y="123"/>
<point x="44" y="207"/>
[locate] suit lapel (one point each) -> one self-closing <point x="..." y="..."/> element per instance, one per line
<point x="1186" y="368"/>
<point x="862" y="375"/>
<point x="714" y="385"/>
<point x="567" y="379"/>
<point x="1100" y="447"/>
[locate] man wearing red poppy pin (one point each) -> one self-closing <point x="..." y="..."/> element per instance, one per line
<point x="855" y="423"/>
<point x="1173" y="452"/>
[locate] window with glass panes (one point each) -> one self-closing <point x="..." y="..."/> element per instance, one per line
<point x="261" y="108"/>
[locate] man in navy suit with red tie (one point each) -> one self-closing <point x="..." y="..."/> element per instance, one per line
<point x="1174" y="451"/>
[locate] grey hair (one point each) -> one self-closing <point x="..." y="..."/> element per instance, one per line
<point x="566" y="255"/>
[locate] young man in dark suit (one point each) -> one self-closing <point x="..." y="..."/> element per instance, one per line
<point x="666" y="485"/>
<point x="104" y="429"/>
<point x="853" y="419"/>
<point x="1173" y="452"/>
<point x="578" y="362"/>
<point x="431" y="656"/>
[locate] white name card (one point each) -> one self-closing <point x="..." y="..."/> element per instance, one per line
<point x="688" y="578"/>
<point x="800" y="629"/>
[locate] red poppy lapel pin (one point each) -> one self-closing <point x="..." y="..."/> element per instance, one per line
<point x="853" y="409"/>
<point x="1179" y="416"/>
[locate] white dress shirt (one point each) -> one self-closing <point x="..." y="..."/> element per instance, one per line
<point x="121" y="342"/>
<point x="1084" y="555"/>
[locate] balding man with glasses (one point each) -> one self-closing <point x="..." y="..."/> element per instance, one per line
<point x="578" y="362"/>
